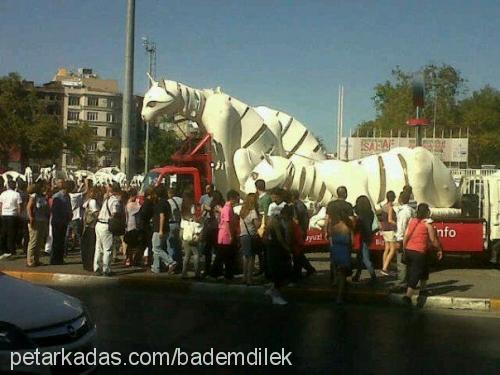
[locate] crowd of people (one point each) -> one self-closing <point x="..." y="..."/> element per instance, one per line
<point x="263" y="234"/>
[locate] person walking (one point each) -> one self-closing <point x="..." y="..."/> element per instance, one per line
<point x="61" y="216"/>
<point x="161" y="218"/>
<point x="23" y="235"/>
<point x="404" y="212"/>
<point x="389" y="227"/>
<point x="264" y="200"/>
<point x="174" y="245"/>
<point x="104" y="238"/>
<point x="334" y="209"/>
<point x="342" y="238"/>
<point x="191" y="230"/>
<point x="144" y="224"/>
<point x="279" y="251"/>
<point x="208" y="239"/>
<point x="226" y="238"/>
<point x="250" y="244"/>
<point x="88" y="240"/>
<point x="74" y="232"/>
<point x="38" y="218"/>
<point x="419" y="234"/>
<point x="132" y="238"/>
<point x="301" y="225"/>
<point x="364" y="222"/>
<point x="10" y="207"/>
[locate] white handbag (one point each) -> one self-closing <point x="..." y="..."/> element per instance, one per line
<point x="190" y="230"/>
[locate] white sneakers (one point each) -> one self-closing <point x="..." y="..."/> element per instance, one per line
<point x="279" y="300"/>
<point x="276" y="296"/>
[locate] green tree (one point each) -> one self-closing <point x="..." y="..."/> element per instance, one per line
<point x="78" y="140"/>
<point x="24" y="123"/>
<point x="393" y="102"/>
<point x="481" y="114"/>
<point x="162" y="145"/>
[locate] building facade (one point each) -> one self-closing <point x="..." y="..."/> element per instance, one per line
<point x="84" y="98"/>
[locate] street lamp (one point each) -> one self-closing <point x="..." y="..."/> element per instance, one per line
<point x="150" y="48"/>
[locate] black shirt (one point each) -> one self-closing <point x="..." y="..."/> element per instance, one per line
<point x="302" y="216"/>
<point x="161" y="207"/>
<point x="364" y="226"/>
<point x="339" y="205"/>
<point x="145" y="214"/>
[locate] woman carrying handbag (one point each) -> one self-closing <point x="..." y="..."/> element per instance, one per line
<point x="420" y="238"/>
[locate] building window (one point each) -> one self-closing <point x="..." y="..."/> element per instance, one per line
<point x="109" y="117"/>
<point x="73" y="116"/>
<point x="93" y="147"/>
<point x="93" y="101"/>
<point x="91" y="116"/>
<point x="111" y="103"/>
<point x="94" y="130"/>
<point x="111" y="132"/>
<point x="74" y="100"/>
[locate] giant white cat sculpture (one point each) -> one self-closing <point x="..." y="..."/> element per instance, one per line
<point x="260" y="142"/>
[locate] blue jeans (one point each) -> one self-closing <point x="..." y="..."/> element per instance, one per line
<point x="159" y="253"/>
<point x="74" y="226"/>
<point x="174" y="245"/>
<point x="363" y="257"/>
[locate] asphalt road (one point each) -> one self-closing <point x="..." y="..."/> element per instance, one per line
<point x="323" y="338"/>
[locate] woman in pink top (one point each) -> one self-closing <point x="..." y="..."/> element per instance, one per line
<point x="419" y="234"/>
<point x="226" y="238"/>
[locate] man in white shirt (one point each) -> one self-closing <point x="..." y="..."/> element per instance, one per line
<point x="10" y="207"/>
<point x="104" y="238"/>
<point x="404" y="212"/>
<point x="277" y="202"/>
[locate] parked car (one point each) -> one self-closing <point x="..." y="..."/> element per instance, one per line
<point x="36" y="317"/>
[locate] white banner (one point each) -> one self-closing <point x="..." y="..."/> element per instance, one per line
<point x="447" y="149"/>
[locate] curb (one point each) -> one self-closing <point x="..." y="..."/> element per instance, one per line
<point x="238" y="291"/>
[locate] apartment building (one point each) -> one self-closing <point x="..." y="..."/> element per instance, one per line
<point x="83" y="97"/>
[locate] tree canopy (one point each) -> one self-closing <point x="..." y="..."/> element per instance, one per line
<point x="27" y="127"/>
<point x="447" y="103"/>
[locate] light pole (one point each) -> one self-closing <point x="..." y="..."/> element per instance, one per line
<point x="435" y="110"/>
<point x="128" y="89"/>
<point x="150" y="48"/>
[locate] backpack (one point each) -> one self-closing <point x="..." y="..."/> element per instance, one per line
<point x="176" y="212"/>
<point x="117" y="222"/>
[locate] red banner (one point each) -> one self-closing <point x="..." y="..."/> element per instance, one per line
<point x="454" y="237"/>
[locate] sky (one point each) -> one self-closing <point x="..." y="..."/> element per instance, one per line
<point x="288" y="55"/>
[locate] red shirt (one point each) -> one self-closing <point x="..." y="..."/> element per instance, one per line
<point x="419" y="236"/>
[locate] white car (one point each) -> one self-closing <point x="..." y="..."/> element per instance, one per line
<point x="36" y="318"/>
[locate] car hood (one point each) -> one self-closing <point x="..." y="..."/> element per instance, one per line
<point x="30" y="306"/>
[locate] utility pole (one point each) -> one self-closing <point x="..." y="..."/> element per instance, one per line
<point x="128" y="89"/>
<point x="150" y="48"/>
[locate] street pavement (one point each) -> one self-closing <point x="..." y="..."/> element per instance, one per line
<point x="455" y="276"/>
<point x="324" y="338"/>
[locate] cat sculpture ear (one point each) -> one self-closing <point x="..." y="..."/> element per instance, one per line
<point x="151" y="79"/>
